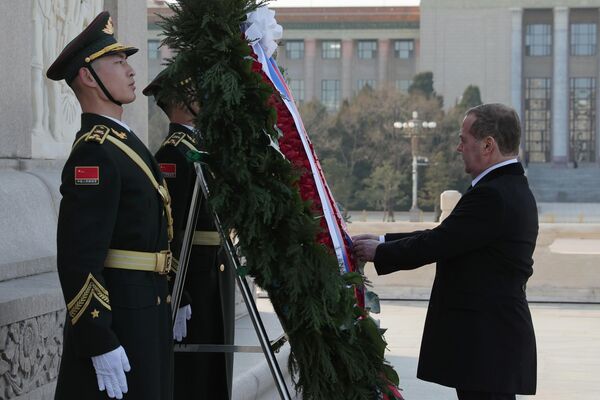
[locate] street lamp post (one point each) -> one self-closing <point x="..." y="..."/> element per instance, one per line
<point x="413" y="128"/>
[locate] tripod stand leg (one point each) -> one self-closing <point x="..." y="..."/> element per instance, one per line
<point x="263" y="338"/>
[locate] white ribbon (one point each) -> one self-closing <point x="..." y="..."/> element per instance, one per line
<point x="262" y="27"/>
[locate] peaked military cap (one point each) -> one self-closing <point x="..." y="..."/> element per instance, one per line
<point x="154" y="87"/>
<point x="97" y="40"/>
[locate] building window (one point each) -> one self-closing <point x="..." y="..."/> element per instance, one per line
<point x="367" y="49"/>
<point x="361" y="83"/>
<point x="538" y="106"/>
<point x="330" y="94"/>
<point x="297" y="88"/>
<point x="583" y="39"/>
<point x="582" y="115"/>
<point x="538" y="40"/>
<point x="294" y="49"/>
<point x="331" y="49"/>
<point x="402" y="85"/>
<point x="404" y="49"/>
<point x="153" y="51"/>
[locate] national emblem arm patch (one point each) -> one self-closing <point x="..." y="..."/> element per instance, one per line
<point x="169" y="170"/>
<point x="87" y="175"/>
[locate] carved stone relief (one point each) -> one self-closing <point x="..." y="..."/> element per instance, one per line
<point x="30" y="353"/>
<point x="54" y="106"/>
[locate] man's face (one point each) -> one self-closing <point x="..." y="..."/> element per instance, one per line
<point x="117" y="75"/>
<point x="471" y="148"/>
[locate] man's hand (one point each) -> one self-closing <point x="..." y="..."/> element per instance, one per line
<point x="364" y="248"/>
<point x="365" y="236"/>
<point x="110" y="371"/>
<point x="180" y="327"/>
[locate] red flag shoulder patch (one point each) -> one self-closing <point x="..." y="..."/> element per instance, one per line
<point x="169" y="170"/>
<point x="87" y="175"/>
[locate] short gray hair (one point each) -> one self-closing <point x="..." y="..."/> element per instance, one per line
<point x="500" y="122"/>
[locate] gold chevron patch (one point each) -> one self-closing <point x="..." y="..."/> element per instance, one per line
<point x="91" y="289"/>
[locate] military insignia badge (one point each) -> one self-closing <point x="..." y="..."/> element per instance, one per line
<point x="169" y="170"/>
<point x="120" y="135"/>
<point x="87" y="175"/>
<point x="109" y="29"/>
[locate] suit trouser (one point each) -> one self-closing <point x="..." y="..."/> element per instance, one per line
<point x="469" y="395"/>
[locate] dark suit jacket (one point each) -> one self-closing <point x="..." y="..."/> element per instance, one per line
<point x="478" y="333"/>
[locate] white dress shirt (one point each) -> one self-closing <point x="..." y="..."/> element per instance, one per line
<point x="493" y="167"/>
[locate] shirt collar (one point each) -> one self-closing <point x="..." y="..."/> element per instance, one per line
<point x="493" y="167"/>
<point x="123" y="124"/>
<point x="191" y="128"/>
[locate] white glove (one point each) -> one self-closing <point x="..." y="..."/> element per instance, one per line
<point x="180" y="327"/>
<point x="110" y="371"/>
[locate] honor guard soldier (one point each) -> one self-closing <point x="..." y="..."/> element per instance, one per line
<point x="209" y="286"/>
<point x="113" y="235"/>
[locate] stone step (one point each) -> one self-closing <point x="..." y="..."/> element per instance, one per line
<point x="566" y="185"/>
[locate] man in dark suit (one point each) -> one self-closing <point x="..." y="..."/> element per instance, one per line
<point x="478" y="335"/>
<point x="209" y="287"/>
<point x="114" y="228"/>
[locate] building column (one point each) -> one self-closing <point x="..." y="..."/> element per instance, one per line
<point x="598" y="99"/>
<point x="560" y="87"/>
<point x="383" y="51"/>
<point x="516" y="60"/>
<point x="347" y="57"/>
<point x="165" y="53"/>
<point x="310" y="50"/>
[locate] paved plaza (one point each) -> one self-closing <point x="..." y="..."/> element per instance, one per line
<point x="568" y="342"/>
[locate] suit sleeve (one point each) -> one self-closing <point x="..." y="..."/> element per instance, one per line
<point x="395" y="236"/>
<point x="88" y="212"/>
<point x="475" y="222"/>
<point x="180" y="190"/>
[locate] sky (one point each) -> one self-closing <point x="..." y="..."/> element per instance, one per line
<point x="342" y="3"/>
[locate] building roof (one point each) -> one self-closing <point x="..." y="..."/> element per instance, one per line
<point x="325" y="17"/>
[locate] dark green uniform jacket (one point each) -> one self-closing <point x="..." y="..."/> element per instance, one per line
<point x="109" y="203"/>
<point x="209" y="282"/>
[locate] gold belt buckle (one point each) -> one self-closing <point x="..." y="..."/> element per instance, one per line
<point x="164" y="262"/>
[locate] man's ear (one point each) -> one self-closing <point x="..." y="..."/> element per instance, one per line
<point x="488" y="144"/>
<point x="86" y="78"/>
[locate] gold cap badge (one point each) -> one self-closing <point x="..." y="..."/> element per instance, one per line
<point x="108" y="29"/>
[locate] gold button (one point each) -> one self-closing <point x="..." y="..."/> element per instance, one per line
<point x="168" y="299"/>
<point x="158" y="300"/>
<point x="222" y="267"/>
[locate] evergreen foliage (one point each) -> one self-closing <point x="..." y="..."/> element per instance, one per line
<point x="471" y="97"/>
<point x="337" y="351"/>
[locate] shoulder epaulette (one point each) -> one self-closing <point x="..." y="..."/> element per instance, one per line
<point x="98" y="133"/>
<point x="174" y="139"/>
<point x="180" y="137"/>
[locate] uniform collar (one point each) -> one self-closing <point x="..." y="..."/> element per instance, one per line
<point x="175" y="127"/>
<point x="88" y="120"/>
<point x="123" y="124"/>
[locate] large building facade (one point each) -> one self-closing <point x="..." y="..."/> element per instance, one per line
<point x="540" y="56"/>
<point x="330" y="54"/>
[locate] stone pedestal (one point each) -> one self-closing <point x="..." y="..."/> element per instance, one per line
<point x="448" y="200"/>
<point x="39" y="121"/>
<point x="132" y="28"/>
<point x="40" y="117"/>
